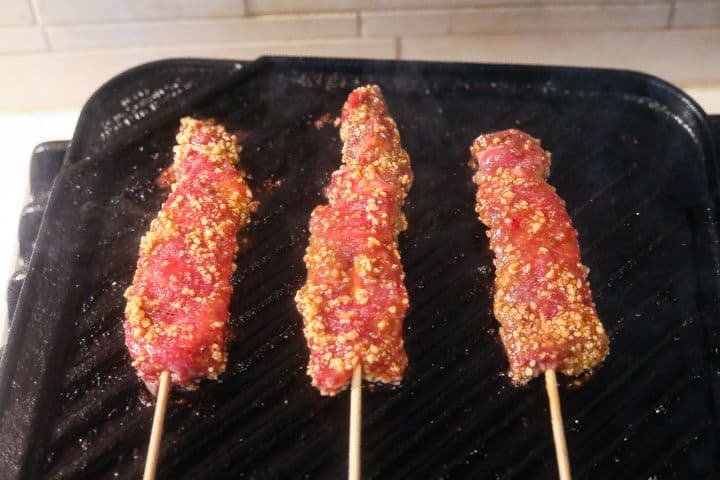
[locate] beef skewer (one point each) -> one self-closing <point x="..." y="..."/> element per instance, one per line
<point x="354" y="301"/>
<point x="177" y="306"/>
<point x="542" y="300"/>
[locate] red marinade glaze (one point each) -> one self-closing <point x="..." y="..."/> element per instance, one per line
<point x="177" y="306"/>
<point x="354" y="301"/>
<point x="542" y="300"/>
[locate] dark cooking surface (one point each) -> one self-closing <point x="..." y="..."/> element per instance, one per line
<point x="45" y="164"/>
<point x="635" y="168"/>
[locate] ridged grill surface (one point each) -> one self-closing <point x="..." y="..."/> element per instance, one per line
<point x="630" y="158"/>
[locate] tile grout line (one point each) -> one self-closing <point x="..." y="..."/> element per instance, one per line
<point x="38" y="21"/>
<point x="33" y="12"/>
<point x="118" y="49"/>
<point x="671" y="14"/>
<point x="150" y="22"/>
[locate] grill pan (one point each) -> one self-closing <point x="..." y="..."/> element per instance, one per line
<point x="633" y="157"/>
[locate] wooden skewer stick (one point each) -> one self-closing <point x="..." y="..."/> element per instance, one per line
<point x="355" y="424"/>
<point x="157" y="427"/>
<point x="556" y="419"/>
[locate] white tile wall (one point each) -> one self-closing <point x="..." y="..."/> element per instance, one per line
<point x="409" y="22"/>
<point x="21" y="39"/>
<point x="700" y="14"/>
<point x="522" y="18"/>
<point x="15" y="12"/>
<point x="86" y="11"/>
<point x="560" y="17"/>
<point x="273" y="27"/>
<point x="673" y="55"/>
<point x="80" y="43"/>
<point x="285" y="6"/>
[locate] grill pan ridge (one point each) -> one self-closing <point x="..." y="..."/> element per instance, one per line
<point x="633" y="157"/>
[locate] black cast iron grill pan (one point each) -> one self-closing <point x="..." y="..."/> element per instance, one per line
<point x="632" y="156"/>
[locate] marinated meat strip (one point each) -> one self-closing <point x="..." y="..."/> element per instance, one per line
<point x="542" y="296"/>
<point x="177" y="306"/>
<point x="354" y="301"/>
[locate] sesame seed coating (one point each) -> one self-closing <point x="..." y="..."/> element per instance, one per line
<point x="354" y="301"/>
<point x="542" y="296"/>
<point x="177" y="306"/>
